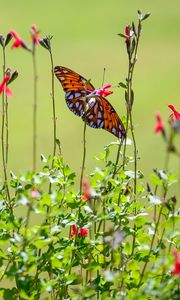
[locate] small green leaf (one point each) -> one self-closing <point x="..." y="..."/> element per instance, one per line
<point x="146" y="16"/>
<point x="123" y="85"/>
<point x="122" y="35"/>
<point x="43" y="158"/>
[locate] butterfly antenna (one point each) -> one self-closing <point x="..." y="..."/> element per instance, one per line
<point x="103" y="79"/>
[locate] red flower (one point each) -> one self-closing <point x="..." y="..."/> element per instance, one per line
<point x="3" y="84"/>
<point x="35" y="34"/>
<point x="159" y="127"/>
<point x="81" y="232"/>
<point x="103" y="91"/>
<point x="18" y="42"/>
<point x="87" y="191"/>
<point x="74" y="230"/>
<point x="128" y="34"/>
<point x="176" y="269"/>
<point x="175" y="115"/>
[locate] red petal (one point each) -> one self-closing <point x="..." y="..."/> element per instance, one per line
<point x="8" y="92"/>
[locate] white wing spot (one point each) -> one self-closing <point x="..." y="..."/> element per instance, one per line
<point x="91" y="102"/>
<point x="114" y="131"/>
<point x="99" y="122"/>
<point x="70" y="96"/>
<point x="77" y="104"/>
<point x="77" y="95"/>
<point x="99" y="114"/>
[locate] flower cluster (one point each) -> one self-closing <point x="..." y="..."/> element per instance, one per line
<point x="160" y="127"/>
<point x="104" y="92"/>
<point x="81" y="232"/>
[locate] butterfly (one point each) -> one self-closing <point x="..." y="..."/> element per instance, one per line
<point x="81" y="98"/>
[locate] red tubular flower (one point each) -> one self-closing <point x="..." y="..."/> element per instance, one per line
<point x="18" y="42"/>
<point x="35" y="34"/>
<point x="83" y="232"/>
<point x="128" y="34"/>
<point x="103" y="91"/>
<point x="74" y="230"/>
<point x="3" y="85"/>
<point x="87" y="191"/>
<point x="159" y="127"/>
<point x="176" y="269"/>
<point x="175" y="115"/>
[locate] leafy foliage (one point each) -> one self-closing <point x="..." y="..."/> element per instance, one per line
<point x="112" y="239"/>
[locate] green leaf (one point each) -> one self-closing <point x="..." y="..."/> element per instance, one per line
<point x="122" y="35"/>
<point x="146" y="16"/>
<point x="43" y="158"/>
<point x="123" y="85"/>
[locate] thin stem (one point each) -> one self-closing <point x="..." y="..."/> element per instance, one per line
<point x="53" y="110"/>
<point x="35" y="78"/>
<point x="151" y="245"/>
<point x="135" y="153"/>
<point x="7" y="129"/>
<point x="84" y="157"/>
<point x="129" y="100"/>
<point x="53" y="104"/>
<point x="4" y="115"/>
<point x="117" y="157"/>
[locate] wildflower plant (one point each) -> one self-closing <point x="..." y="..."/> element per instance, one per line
<point x="116" y="236"/>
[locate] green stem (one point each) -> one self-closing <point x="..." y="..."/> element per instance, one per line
<point x="84" y="157"/>
<point x="135" y="153"/>
<point x="53" y="104"/>
<point x="4" y="122"/>
<point x="53" y="111"/>
<point x="7" y="129"/>
<point x="117" y="158"/>
<point x="35" y="78"/>
<point x="151" y="245"/>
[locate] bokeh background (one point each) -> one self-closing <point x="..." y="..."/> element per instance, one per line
<point x="85" y="39"/>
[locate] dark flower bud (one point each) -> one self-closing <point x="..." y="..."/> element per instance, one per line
<point x="149" y="188"/>
<point x="1" y="40"/>
<point x="139" y="14"/>
<point x="8" y="39"/>
<point x="13" y="77"/>
<point x="174" y="200"/>
<point x="45" y="42"/>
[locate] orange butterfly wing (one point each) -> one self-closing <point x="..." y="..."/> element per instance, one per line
<point x="71" y="80"/>
<point x="76" y="88"/>
<point x="102" y="115"/>
<point x="96" y="111"/>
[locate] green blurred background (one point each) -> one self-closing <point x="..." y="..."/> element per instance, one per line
<point x="85" y="40"/>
